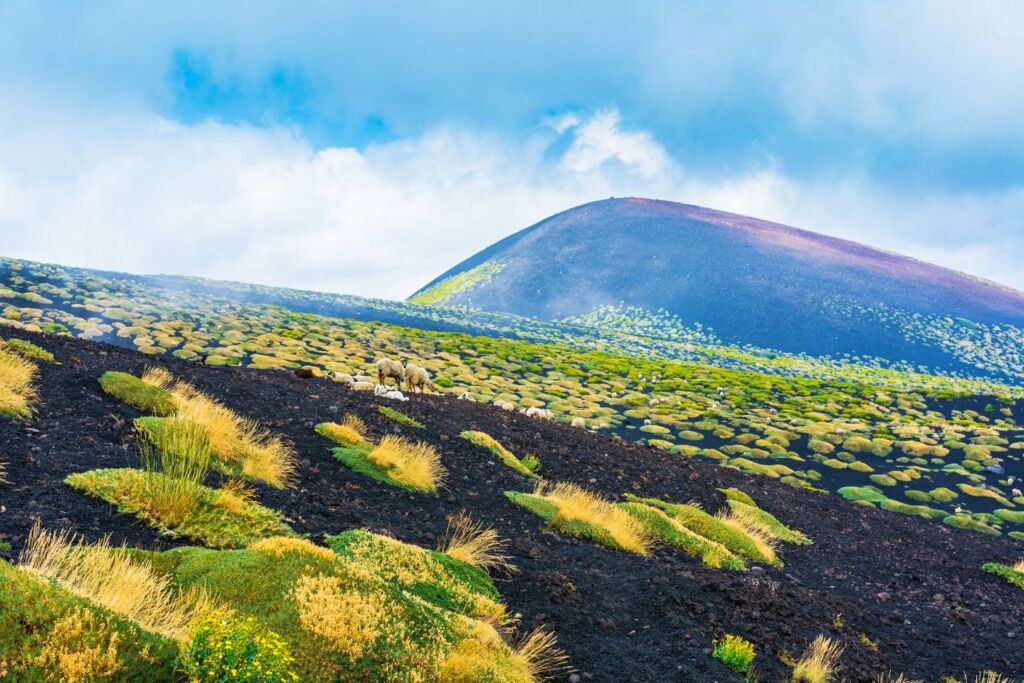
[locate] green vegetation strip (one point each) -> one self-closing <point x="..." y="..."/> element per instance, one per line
<point x="527" y="465"/>
<point x="28" y="350"/>
<point x="399" y="417"/>
<point x="136" y="393"/>
<point x="548" y="511"/>
<point x="667" y="530"/>
<point x="209" y="523"/>
<point x="1009" y="573"/>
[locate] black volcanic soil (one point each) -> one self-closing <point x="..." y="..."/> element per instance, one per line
<point x="913" y="587"/>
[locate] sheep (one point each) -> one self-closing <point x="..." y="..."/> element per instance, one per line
<point x="578" y="422"/>
<point x="542" y="413"/>
<point x="1015" y="493"/>
<point x="385" y="391"/>
<point x="363" y="386"/>
<point x="342" y="377"/>
<point x="466" y="396"/>
<point x="504" y="405"/>
<point x="363" y="378"/>
<point x="390" y="368"/>
<point x="417" y="378"/>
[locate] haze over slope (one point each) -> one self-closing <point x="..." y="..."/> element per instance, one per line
<point x="751" y="281"/>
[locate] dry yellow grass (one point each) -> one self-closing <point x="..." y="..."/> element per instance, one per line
<point x="577" y="504"/>
<point x="416" y="465"/>
<point x="109" y="578"/>
<point x="351" y="431"/>
<point x="818" y="663"/>
<point x="17" y="379"/>
<point x="1018" y="567"/>
<point x="82" y="647"/>
<point x="349" y="620"/>
<point x="279" y="545"/>
<point x="476" y="544"/>
<point x="259" y="453"/>
<point x="888" y="678"/>
<point x="3" y="473"/>
<point x="759" y="534"/>
<point x="539" y="656"/>
<point x="181" y="453"/>
<point x="233" y="496"/>
<point x="992" y="677"/>
<point x="484" y="656"/>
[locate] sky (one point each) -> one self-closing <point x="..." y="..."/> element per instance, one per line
<point x="364" y="148"/>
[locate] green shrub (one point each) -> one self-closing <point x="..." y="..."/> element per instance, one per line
<point x="770" y="523"/>
<point x="225" y="647"/>
<point x="667" y="530"/>
<point x="399" y="417"/>
<point x="528" y="465"/>
<point x="1011" y="574"/>
<point x="136" y="393"/>
<point x="28" y="350"/>
<point x="735" y="652"/>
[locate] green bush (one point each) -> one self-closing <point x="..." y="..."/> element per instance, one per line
<point x="735" y="652"/>
<point x="226" y="647"/>
<point x="28" y="350"/>
<point x="136" y="393"/>
<point x="399" y="417"/>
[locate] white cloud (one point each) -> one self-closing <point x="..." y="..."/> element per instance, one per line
<point x="140" y="193"/>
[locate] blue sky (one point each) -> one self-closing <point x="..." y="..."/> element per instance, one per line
<point x="366" y="147"/>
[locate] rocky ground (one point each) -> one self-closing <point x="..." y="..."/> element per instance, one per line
<point x="912" y="587"/>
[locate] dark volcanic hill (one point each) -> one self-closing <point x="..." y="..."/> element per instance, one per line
<point x="750" y="280"/>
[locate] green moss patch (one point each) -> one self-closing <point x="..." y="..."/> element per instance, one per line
<point x="210" y="523"/>
<point x="548" y="511"/>
<point x="485" y="440"/>
<point x="136" y="393"/>
<point x="41" y="624"/>
<point x="771" y="523"/>
<point x="1009" y="573"/>
<point x="399" y="417"/>
<point x="28" y="350"/>
<point x="667" y="530"/>
<point x="968" y="522"/>
<point x="1013" y="516"/>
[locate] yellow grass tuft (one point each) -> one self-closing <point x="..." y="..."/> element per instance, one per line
<point x="484" y="656"/>
<point x="351" y="431"/>
<point x="416" y="465"/>
<point x="476" y="544"/>
<point x="279" y="545"/>
<point x="539" y="656"/>
<point x="577" y="504"/>
<point x="758" y="532"/>
<point x="17" y="379"/>
<point x="992" y="677"/>
<point x="888" y="678"/>
<point x="260" y="454"/>
<point x="111" y="579"/>
<point x="233" y="496"/>
<point x="3" y="472"/>
<point x="818" y="663"/>
<point x="181" y="453"/>
<point x="349" y="620"/>
<point x="1018" y="567"/>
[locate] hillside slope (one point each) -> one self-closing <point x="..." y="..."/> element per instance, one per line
<point x="751" y="281"/>
<point x="914" y="590"/>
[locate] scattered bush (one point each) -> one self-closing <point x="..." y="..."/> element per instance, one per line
<point x="577" y="512"/>
<point x="416" y="466"/>
<point x="735" y="652"/>
<point x="528" y="465"/>
<point x="768" y="522"/>
<point x="227" y="647"/>
<point x="664" y="528"/>
<point x="476" y="544"/>
<point x="818" y="663"/>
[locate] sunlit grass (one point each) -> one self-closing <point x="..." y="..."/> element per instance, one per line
<point x="416" y="465"/>
<point x="17" y="385"/>
<point x="350" y="432"/>
<point x="475" y="543"/>
<point x="819" y="661"/>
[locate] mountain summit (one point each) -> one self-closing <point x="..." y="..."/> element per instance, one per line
<point x="750" y="281"/>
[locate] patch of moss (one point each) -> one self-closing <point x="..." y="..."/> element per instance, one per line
<point x="979" y="492"/>
<point x="28" y="350"/>
<point x="458" y="283"/>
<point x="1009" y="573"/>
<point x="773" y="471"/>
<point x="136" y="393"/>
<point x="915" y="510"/>
<point x="399" y="417"/>
<point x="1014" y="516"/>
<point x="968" y="522"/>
<point x="210" y="524"/>
<point x="943" y="495"/>
<point x="485" y="440"/>
<point x="739" y="496"/>
<point x="774" y="526"/>
<point x="867" y="494"/>
<point x="883" y="479"/>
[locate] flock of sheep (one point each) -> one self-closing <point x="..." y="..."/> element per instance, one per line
<point x="415" y="379"/>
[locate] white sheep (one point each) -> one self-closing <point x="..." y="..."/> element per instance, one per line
<point x="1015" y="493"/>
<point x="342" y="377"/>
<point x="363" y="378"/>
<point x="466" y="396"/>
<point x="387" y="367"/>
<point x="417" y="378"/>
<point x="542" y="413"/>
<point x="504" y="405"/>
<point x="363" y="386"/>
<point x="578" y="422"/>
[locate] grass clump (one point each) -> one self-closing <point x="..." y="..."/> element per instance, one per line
<point x="17" y="385"/>
<point x="666" y="529"/>
<point x="399" y="417"/>
<point x="769" y="522"/>
<point x="1013" y="574"/>
<point x="528" y="465"/>
<point x="395" y="461"/>
<point x="136" y="393"/>
<point x="476" y="544"/>
<point x="819" y="661"/>
<point x="578" y="512"/>
<point x="49" y="633"/>
<point x="351" y="431"/>
<point x="27" y="350"/>
<point x="216" y="518"/>
<point x="735" y="652"/>
<point x="111" y="578"/>
<point x="731" y="531"/>
<point x="245" y="447"/>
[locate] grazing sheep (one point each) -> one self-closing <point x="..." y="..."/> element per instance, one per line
<point x="342" y="377"/>
<point x="504" y="405"/>
<point x="363" y="386"/>
<point x="385" y="391"/>
<point x="466" y="396"/>
<point x="578" y="422"/>
<point x="1015" y="493"/>
<point x="390" y="368"/>
<point x="417" y="378"/>
<point x="542" y="413"/>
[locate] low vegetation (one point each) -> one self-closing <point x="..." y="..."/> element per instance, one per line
<point x="1014" y="574"/>
<point x="735" y="652"/>
<point x="577" y="512"/>
<point x="399" y="417"/>
<point x="27" y="350"/>
<point x="819" y="661"/>
<point x="415" y="466"/>
<point x="528" y="465"/>
<point x="138" y="394"/>
<point x="226" y="647"/>
<point x="475" y="543"/>
<point x="17" y="385"/>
